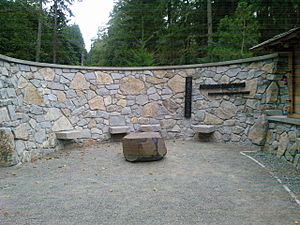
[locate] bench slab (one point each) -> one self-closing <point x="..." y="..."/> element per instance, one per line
<point x="150" y="128"/>
<point x="119" y="130"/>
<point x="143" y="146"/>
<point x="67" y="135"/>
<point x="204" y="129"/>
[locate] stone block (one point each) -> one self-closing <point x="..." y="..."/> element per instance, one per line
<point x="68" y="135"/>
<point x="8" y="155"/>
<point x="204" y="129"/>
<point x="258" y="131"/>
<point x="150" y="127"/>
<point x="298" y="144"/>
<point x="119" y="130"/>
<point x="4" y="117"/>
<point x="22" y="132"/>
<point x="117" y="120"/>
<point x="144" y="146"/>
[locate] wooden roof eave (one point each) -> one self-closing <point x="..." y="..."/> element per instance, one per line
<point x="279" y="40"/>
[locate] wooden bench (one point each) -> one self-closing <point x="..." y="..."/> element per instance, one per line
<point x="204" y="131"/>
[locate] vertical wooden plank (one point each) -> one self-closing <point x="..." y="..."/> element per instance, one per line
<point x="290" y="75"/>
<point x="188" y="97"/>
<point x="297" y="83"/>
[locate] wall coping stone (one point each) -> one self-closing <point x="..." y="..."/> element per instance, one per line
<point x="226" y="63"/>
<point x="284" y="119"/>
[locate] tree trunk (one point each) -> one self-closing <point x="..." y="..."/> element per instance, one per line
<point x="169" y="13"/>
<point x="209" y="23"/>
<point x="55" y="33"/>
<point x="243" y="38"/>
<point x="39" y="33"/>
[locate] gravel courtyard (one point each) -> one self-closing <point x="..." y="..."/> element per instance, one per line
<point x="197" y="183"/>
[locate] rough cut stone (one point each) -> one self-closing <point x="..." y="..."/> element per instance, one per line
<point x="97" y="103"/>
<point x="258" y="131"/>
<point x="90" y="76"/>
<point x="21" y="132"/>
<point x="7" y="153"/>
<point x="103" y="78"/>
<point x="177" y="84"/>
<point x="144" y="146"/>
<point x="68" y="135"/>
<point x="47" y="73"/>
<point x="32" y="96"/>
<point x="62" y="124"/>
<point x="233" y="72"/>
<point x="268" y="68"/>
<point x="22" y="82"/>
<point x="119" y="130"/>
<point x="272" y="93"/>
<point x="212" y="119"/>
<point x="170" y="105"/>
<point x="205" y="129"/>
<point x="154" y="80"/>
<point x="251" y="86"/>
<point x="141" y="99"/>
<point x="168" y="123"/>
<point x="150" y="128"/>
<point x="107" y="100"/>
<point x="224" y="79"/>
<point x="4" y="116"/>
<point x="122" y="103"/>
<point x="283" y="144"/>
<point x="20" y="147"/>
<point x="150" y="109"/>
<point x="132" y="86"/>
<point x="61" y="96"/>
<point x="117" y="120"/>
<point x="79" y="82"/>
<point x="226" y="111"/>
<point x="298" y="144"/>
<point x="53" y="114"/>
<point x="160" y="73"/>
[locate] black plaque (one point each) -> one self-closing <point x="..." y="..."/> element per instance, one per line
<point x="188" y="97"/>
<point x="223" y="86"/>
<point x="229" y="93"/>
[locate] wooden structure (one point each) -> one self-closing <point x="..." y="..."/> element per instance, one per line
<point x="287" y="45"/>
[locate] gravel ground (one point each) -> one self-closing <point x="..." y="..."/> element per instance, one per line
<point x="286" y="172"/>
<point x="196" y="183"/>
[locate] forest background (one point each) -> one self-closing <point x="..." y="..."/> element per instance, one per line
<point x="144" y="32"/>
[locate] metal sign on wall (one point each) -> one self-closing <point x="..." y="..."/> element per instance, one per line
<point x="188" y="97"/>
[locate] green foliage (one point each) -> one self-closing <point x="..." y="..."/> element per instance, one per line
<point x="144" y="32"/>
<point x="236" y="34"/>
<point x="141" y="57"/>
<point x="19" y="27"/>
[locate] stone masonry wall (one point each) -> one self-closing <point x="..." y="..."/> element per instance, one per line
<point x="37" y="100"/>
<point x="283" y="140"/>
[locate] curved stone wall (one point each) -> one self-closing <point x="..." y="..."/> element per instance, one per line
<point x="37" y="100"/>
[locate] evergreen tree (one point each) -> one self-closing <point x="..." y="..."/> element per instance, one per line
<point x="236" y="34"/>
<point x="20" y="25"/>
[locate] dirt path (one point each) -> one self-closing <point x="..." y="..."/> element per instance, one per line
<point x="195" y="184"/>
